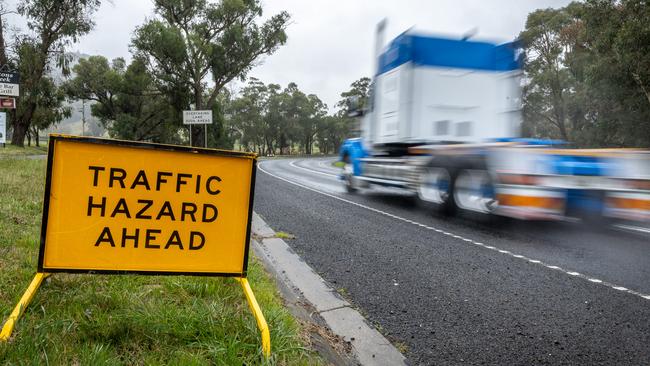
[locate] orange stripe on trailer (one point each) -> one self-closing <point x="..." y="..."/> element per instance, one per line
<point x="629" y="203"/>
<point x="530" y="201"/>
<point x="521" y="179"/>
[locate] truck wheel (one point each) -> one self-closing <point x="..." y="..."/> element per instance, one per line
<point x="435" y="189"/>
<point x="474" y="191"/>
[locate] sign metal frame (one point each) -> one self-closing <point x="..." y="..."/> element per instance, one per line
<point x="141" y="145"/>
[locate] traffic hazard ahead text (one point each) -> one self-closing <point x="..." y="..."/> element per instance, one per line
<point x="147" y="209"/>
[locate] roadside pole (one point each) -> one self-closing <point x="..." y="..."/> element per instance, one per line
<point x="83" y="117"/>
<point x="3" y="129"/>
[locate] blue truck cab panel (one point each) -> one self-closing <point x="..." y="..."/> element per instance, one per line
<point x="352" y="151"/>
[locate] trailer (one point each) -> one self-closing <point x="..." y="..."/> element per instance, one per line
<point x="443" y="122"/>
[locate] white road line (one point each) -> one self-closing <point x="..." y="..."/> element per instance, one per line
<point x="634" y="228"/>
<point x="312" y="170"/>
<point x="517" y="256"/>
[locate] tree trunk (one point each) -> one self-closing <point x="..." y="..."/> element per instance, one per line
<point x="562" y="125"/>
<point x="37" y="138"/>
<point x="281" y="142"/>
<point x="198" y="139"/>
<point x="639" y="82"/>
<point x="18" y="136"/>
<point x="23" y="122"/>
<point x="29" y="138"/>
<point x="270" y="149"/>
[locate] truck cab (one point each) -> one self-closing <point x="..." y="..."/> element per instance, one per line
<point x="439" y="90"/>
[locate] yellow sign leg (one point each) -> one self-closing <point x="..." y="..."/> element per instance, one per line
<point x="22" y="304"/>
<point x="257" y="312"/>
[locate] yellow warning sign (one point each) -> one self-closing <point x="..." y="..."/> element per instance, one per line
<point x="118" y="206"/>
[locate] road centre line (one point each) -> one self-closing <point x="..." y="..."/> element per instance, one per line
<point x="634" y="228"/>
<point x="492" y="248"/>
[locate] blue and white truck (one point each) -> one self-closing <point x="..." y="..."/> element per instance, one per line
<point x="443" y="121"/>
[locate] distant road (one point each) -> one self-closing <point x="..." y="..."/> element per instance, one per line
<point x="453" y="291"/>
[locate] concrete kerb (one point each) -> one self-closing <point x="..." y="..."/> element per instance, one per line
<point x="368" y="345"/>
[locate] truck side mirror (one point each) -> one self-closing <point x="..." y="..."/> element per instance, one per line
<point x="354" y="106"/>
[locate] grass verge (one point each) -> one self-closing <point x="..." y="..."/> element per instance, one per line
<point x="128" y="320"/>
<point x="11" y="150"/>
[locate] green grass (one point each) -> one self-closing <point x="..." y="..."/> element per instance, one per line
<point x="127" y="320"/>
<point x="338" y="164"/>
<point x="11" y="150"/>
<point x="283" y="235"/>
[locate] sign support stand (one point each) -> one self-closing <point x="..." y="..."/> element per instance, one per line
<point x="259" y="317"/>
<point x="29" y="294"/>
<point x="22" y="305"/>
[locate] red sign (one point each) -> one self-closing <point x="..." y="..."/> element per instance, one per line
<point x="9" y="103"/>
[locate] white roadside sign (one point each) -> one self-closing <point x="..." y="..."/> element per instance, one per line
<point x="3" y="127"/>
<point x="9" y="89"/>
<point x="197" y="117"/>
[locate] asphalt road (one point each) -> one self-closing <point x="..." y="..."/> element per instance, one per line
<point x="455" y="291"/>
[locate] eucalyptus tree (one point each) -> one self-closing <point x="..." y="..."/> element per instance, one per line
<point x="617" y="35"/>
<point x="587" y="73"/>
<point x="195" y="47"/>
<point x="126" y="100"/>
<point x="54" y="25"/>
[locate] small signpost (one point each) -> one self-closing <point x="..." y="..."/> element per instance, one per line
<point x="7" y="103"/>
<point x="120" y="207"/>
<point x="198" y="118"/>
<point x="9" y="83"/>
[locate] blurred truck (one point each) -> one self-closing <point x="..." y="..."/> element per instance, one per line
<point x="443" y="120"/>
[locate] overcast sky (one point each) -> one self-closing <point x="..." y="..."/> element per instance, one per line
<point x="330" y="42"/>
